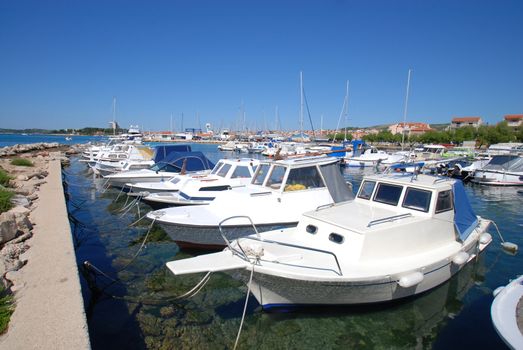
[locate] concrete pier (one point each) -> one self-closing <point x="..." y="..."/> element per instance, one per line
<point x="49" y="312"/>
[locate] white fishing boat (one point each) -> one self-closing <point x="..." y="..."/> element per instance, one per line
<point x="196" y="189"/>
<point x="278" y="194"/>
<point x="123" y="157"/>
<point x="501" y="170"/>
<point x="402" y="235"/>
<point x="505" y="313"/>
<point x="175" y="163"/>
<point x="369" y="158"/>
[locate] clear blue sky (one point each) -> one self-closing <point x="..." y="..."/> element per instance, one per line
<point x="61" y="62"/>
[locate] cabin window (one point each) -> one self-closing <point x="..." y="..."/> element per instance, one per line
<point x="444" y="202"/>
<point x="311" y="229"/>
<point x="217" y="167"/>
<point x="241" y="171"/>
<point x="276" y="178"/>
<point x="417" y="199"/>
<point x="263" y="170"/>
<point x="304" y="178"/>
<point x="224" y="170"/>
<point x="215" y="188"/>
<point x="388" y="194"/>
<point x="336" y="238"/>
<point x="366" y="189"/>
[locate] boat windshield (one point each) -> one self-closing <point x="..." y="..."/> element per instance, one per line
<point x="262" y="172"/>
<point x="224" y="170"/>
<point x="304" y="178"/>
<point x="275" y="179"/>
<point x="505" y="162"/>
<point x="217" y="167"/>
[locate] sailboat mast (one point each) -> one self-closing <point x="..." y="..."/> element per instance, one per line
<point x="405" y="110"/>
<point x="301" y="103"/>
<point x="114" y="115"/>
<point x="346" y="109"/>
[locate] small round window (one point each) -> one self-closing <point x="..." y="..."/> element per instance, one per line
<point x="336" y="238"/>
<point x="311" y="229"/>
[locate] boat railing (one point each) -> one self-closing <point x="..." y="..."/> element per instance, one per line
<point x="259" y="239"/>
<point x="260" y="193"/>
<point x="388" y="219"/>
<point x="324" y="206"/>
<point x="242" y="253"/>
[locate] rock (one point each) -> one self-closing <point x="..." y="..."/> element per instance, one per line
<point x="22" y="221"/>
<point x="22" y="177"/>
<point x="20" y="201"/>
<point x="8" y="227"/>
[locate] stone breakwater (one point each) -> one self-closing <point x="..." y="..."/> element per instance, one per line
<point x="23" y="148"/>
<point x="37" y="258"/>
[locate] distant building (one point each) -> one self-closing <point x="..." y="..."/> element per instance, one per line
<point x="459" y="122"/>
<point x="409" y="129"/>
<point x="514" y="120"/>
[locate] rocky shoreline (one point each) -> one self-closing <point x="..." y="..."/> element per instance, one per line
<point x="16" y="225"/>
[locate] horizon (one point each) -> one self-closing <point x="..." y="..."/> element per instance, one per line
<point x="234" y="64"/>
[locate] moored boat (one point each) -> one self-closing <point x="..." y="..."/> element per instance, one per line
<point x="277" y="195"/>
<point x="402" y="235"/>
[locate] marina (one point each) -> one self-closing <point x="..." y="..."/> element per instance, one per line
<point x="143" y="306"/>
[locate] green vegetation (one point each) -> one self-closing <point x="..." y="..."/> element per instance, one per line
<point x="21" y="162"/>
<point x="6" y="309"/>
<point x="4" y="178"/>
<point x="484" y="135"/>
<point x="5" y="200"/>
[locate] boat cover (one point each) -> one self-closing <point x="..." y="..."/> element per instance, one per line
<point x="336" y="184"/>
<point x="194" y="161"/>
<point x="163" y="151"/>
<point x="465" y="220"/>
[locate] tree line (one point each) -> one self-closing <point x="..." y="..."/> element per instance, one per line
<point x="483" y="135"/>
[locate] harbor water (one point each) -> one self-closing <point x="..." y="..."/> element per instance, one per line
<point x="131" y="298"/>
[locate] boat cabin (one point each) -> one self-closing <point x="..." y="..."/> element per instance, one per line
<point x="301" y="174"/>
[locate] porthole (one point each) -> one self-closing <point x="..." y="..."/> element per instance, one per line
<point x="311" y="229"/>
<point x="336" y="238"/>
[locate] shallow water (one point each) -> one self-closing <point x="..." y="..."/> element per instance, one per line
<point x="136" y="308"/>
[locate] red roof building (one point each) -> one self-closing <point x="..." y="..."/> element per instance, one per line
<point x="514" y="120"/>
<point x="459" y="122"/>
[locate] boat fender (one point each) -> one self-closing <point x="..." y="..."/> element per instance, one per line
<point x="510" y="247"/>
<point x="497" y="291"/>
<point x="410" y="280"/>
<point x="485" y="238"/>
<point x="460" y="258"/>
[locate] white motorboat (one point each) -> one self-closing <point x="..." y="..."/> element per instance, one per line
<point x="501" y="170"/>
<point x="278" y="194"/>
<point x="402" y="235"/>
<point x="505" y="315"/>
<point x="196" y="189"/>
<point x="175" y="163"/>
<point x="369" y="158"/>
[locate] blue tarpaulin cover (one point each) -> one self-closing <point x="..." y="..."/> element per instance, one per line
<point x="194" y="161"/>
<point x="163" y="151"/>
<point x="465" y="219"/>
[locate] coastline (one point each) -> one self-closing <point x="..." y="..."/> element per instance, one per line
<point x="49" y="310"/>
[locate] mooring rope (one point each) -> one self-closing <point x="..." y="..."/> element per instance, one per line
<point x="244" y="307"/>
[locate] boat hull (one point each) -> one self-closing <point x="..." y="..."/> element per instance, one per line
<point x="274" y="291"/>
<point x="205" y="237"/>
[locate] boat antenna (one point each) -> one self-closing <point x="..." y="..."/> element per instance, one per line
<point x="405" y="111"/>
